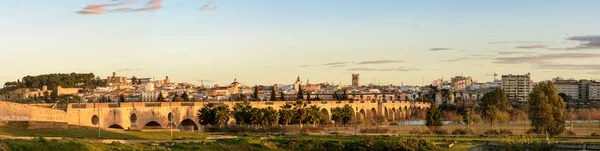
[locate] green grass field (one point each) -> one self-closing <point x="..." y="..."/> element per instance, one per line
<point x="93" y="134"/>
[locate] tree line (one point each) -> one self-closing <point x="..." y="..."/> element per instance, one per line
<point x="545" y="111"/>
<point x="296" y="113"/>
<point x="67" y="80"/>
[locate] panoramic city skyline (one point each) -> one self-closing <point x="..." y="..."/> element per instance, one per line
<point x="267" y="42"/>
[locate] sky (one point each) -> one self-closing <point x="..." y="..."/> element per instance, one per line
<point x="274" y="41"/>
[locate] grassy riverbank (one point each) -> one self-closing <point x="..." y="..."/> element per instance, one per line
<point x="239" y="144"/>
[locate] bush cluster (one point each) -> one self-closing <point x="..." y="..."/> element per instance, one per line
<point x="459" y="131"/>
<point x="496" y="132"/>
<point x="377" y="130"/>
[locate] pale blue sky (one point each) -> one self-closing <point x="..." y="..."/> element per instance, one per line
<point x="272" y="41"/>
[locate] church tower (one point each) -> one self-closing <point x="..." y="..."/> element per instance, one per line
<point x="355" y="80"/>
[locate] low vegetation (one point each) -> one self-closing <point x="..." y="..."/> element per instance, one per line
<point x="337" y="143"/>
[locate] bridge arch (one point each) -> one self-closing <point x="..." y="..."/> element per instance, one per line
<point x="385" y="112"/>
<point x="325" y="116"/>
<point x="188" y="124"/>
<point x="116" y="126"/>
<point x="373" y="114"/>
<point x="152" y="125"/>
<point x="361" y="115"/>
<point x="392" y="114"/>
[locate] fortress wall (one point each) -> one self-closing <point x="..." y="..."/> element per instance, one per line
<point x="23" y="115"/>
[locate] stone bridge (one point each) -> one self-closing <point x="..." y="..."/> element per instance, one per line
<point x="184" y="115"/>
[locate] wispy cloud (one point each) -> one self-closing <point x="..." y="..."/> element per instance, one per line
<point x="127" y="69"/>
<point x="385" y="69"/>
<point x="151" y="5"/>
<point x="209" y="6"/>
<point x="570" y="66"/>
<point x="303" y="66"/>
<point x="533" y="47"/>
<point x="515" y="42"/>
<point x="586" y="42"/>
<point x="456" y="59"/>
<point x="543" y="58"/>
<point x="334" y="63"/>
<point x="379" y="62"/>
<point x="337" y="66"/>
<point x="440" y="49"/>
<point x="513" y="52"/>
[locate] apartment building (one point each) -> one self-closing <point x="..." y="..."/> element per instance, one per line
<point x="517" y="87"/>
<point x="461" y="83"/>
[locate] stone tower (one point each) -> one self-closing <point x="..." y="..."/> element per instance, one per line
<point x="355" y="80"/>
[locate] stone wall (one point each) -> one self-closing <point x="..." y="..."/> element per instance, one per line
<point x="16" y="114"/>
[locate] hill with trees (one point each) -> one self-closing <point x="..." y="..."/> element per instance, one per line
<point x="67" y="80"/>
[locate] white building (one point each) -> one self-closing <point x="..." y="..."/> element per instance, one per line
<point x="517" y="87"/>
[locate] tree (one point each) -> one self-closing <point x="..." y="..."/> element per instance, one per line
<point x="300" y="93"/>
<point x="255" y="94"/>
<point x="121" y="98"/>
<point x="313" y="115"/>
<point x="134" y="80"/>
<point x="282" y="96"/>
<point x="241" y="113"/>
<point x="175" y="96"/>
<point x="565" y="98"/>
<point x="433" y="118"/>
<point x="270" y="116"/>
<point x="467" y="119"/>
<point x="492" y="102"/>
<point x="546" y="110"/>
<point x="308" y="96"/>
<point x="274" y="95"/>
<point x="301" y="113"/>
<point x="185" y="96"/>
<point x="214" y="114"/>
<point x="286" y="114"/>
<point x="54" y="95"/>
<point x="342" y="115"/>
<point x="160" y="98"/>
<point x="46" y="94"/>
<point x="344" y="95"/>
<point x="256" y="116"/>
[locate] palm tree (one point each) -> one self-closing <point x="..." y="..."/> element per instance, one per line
<point x="222" y="115"/>
<point x="285" y="114"/>
<point x="314" y="115"/>
<point x="300" y="108"/>
<point x="271" y="116"/>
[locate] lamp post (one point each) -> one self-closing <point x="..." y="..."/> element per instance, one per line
<point x="98" y="120"/>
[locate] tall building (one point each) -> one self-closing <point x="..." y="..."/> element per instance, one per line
<point x="461" y="83"/>
<point x="568" y="87"/>
<point x="297" y="84"/>
<point x="517" y="87"/>
<point x="594" y="91"/>
<point x="581" y="91"/>
<point x="355" y="80"/>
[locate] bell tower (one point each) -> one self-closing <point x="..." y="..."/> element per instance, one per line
<point x="355" y="80"/>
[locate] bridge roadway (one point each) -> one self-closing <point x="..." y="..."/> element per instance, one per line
<point x="184" y="115"/>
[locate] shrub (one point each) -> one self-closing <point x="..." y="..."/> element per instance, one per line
<point x="506" y="132"/>
<point x="440" y="131"/>
<point x="244" y="129"/>
<point x="491" y="132"/>
<point x="394" y="123"/>
<point x="306" y="130"/>
<point x="376" y="130"/>
<point x="459" y="131"/>
<point x="426" y="132"/>
<point x="413" y="131"/>
<point x="595" y="134"/>
<point x="570" y="133"/>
